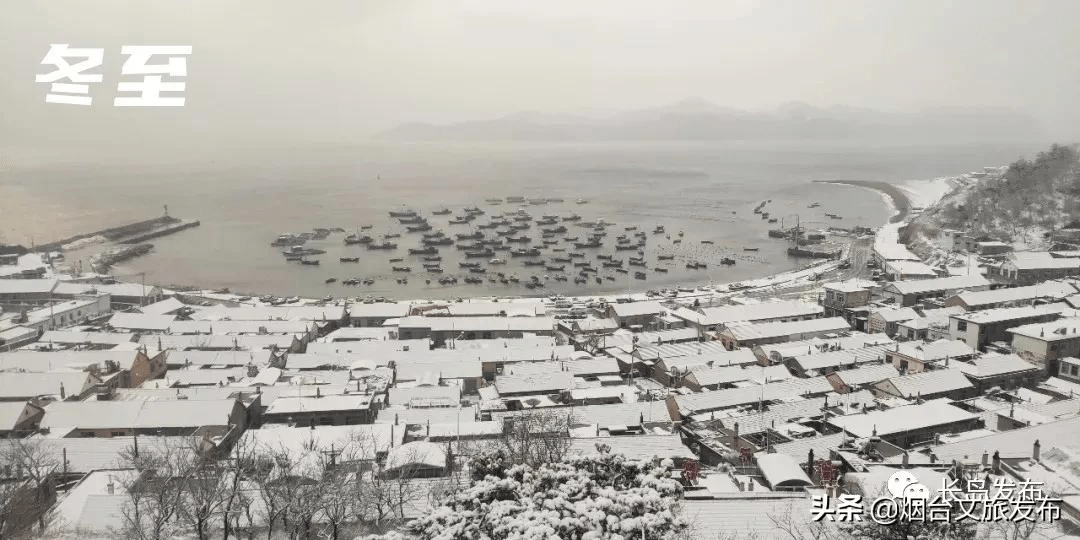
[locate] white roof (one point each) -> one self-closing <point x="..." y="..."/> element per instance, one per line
<point x="356" y="441"/>
<point x="902" y="419"/>
<point x="786" y="390"/>
<point x="449" y="395"/>
<point x="163" y="307"/>
<point x="1015" y="443"/>
<point x="750" y="312"/>
<point x="138" y="414"/>
<point x="241" y="327"/>
<point x="26" y="286"/>
<point x="630" y="309"/>
<point x="1038" y="260"/>
<point x="479" y="324"/>
<point x="28" y="385"/>
<point x="854" y="340"/>
<point x="850" y="285"/>
<point x="990" y="365"/>
<point x="239" y="342"/>
<point x="1012" y="313"/>
<point x="409" y="369"/>
<point x="909" y="268"/>
<point x="1066" y="328"/>
<point x="336" y="402"/>
<point x="915" y="286"/>
<point x="866" y="374"/>
<point x="1047" y="289"/>
<point x="931" y="382"/>
<point x="895" y="314"/>
<point x="269" y="313"/>
<point x="34" y="361"/>
<point x="420" y="453"/>
<point x="538" y="383"/>
<point x="933" y="351"/>
<point x="220" y="358"/>
<point x="793" y="329"/>
<point x="139" y="321"/>
<point x="841" y="357"/>
<point x="77" y="337"/>
<point x="637" y="447"/>
<point x="11" y="412"/>
<point x="781" y="469"/>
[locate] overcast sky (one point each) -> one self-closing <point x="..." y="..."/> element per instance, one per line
<point x="345" y="69"/>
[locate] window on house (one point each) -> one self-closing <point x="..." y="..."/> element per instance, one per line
<point x="961" y="326"/>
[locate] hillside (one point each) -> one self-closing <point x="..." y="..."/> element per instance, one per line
<point x="1021" y="205"/>
<point x="698" y="119"/>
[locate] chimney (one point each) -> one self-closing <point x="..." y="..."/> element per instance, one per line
<point x="1035" y="450"/>
<point x="996" y="469"/>
<point x="985" y="459"/>
<point x="735" y="437"/>
<point x="428" y="434"/>
<point x="111" y="487"/>
<point x="1012" y="409"/>
<point x="318" y="392"/>
<point x="750" y="485"/>
<point x="905" y="462"/>
<point x="63" y="394"/>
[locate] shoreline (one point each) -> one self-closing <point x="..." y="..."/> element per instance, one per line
<point x="900" y="201"/>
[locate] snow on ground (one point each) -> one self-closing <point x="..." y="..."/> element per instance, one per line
<point x="925" y="193"/>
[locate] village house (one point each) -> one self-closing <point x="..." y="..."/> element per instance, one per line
<point x="26" y="291"/>
<point x="83" y="340"/>
<point x="819" y="363"/>
<point x="713" y="319"/>
<point x="121" y="295"/>
<point x="376" y="314"/>
<point x="750" y="335"/>
<point x="126" y="367"/>
<point x="223" y="418"/>
<point x="49" y="386"/>
<point x="941" y="383"/>
<point x="916" y="356"/>
<point x="1029" y="267"/>
<point x="441" y="330"/>
<point x="1043" y="344"/>
<point x="909" y="425"/>
<point x="887" y="319"/>
<point x="19" y="418"/>
<point x="1049" y="291"/>
<point x="322" y="409"/>
<point x="780" y="353"/>
<point x="1005" y="371"/>
<point x="931" y="326"/>
<point x="911" y="292"/>
<point x="67" y="313"/>
<point x="848" y="299"/>
<point x="903" y="270"/>
<point x="980" y="328"/>
<point x="635" y="314"/>
<point x="663" y="362"/>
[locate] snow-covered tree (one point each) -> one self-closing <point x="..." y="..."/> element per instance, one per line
<point x="605" y="496"/>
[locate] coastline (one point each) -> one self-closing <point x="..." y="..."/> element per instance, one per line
<point x="899" y="200"/>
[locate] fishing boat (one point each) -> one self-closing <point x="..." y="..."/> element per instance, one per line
<point x="402" y="213"/>
<point x="310" y="262"/>
<point x="331" y="280"/>
<point x="469" y="264"/>
<point x="460" y="220"/>
<point x="709" y="242"/>
<point x="665" y="257"/>
<point x="401" y="269"/>
<point x="534" y="263"/>
<point x="572" y="217"/>
<point x="396" y="259"/>
<point x="581" y="201"/>
<point x="515" y="199"/>
<point x="365" y="227"/>
<point x="611" y="264"/>
<point x="429" y="250"/>
<point x="749" y="249"/>
<point x="478" y="254"/>
<point x="441" y="212"/>
<point x="497" y="261"/>
<point x="470" y="236"/>
<point x="433" y="269"/>
<point x="728" y="261"/>
<point x="349" y="259"/>
<point x="431" y="258"/>
<point x="418" y="228"/>
<point x="493" y="201"/>
<point x="478" y="270"/>
<point x="358" y="239"/>
<point x="291" y="257"/>
<point x="658" y="230"/>
<point x="587" y="245"/>
<point x="659" y="269"/>
<point x="384" y="245"/>
<point x="389" y="236"/>
<point x="639" y="275"/>
<point x="289" y="239"/>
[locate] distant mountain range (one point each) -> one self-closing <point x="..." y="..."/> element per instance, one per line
<point x="698" y="119"/>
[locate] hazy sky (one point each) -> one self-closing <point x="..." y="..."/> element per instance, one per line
<point x="345" y="69"/>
